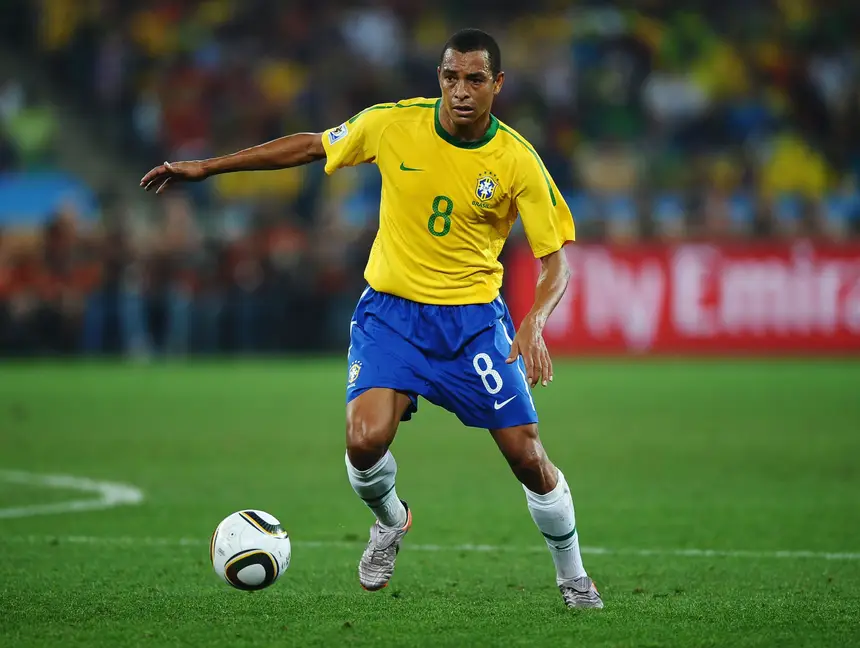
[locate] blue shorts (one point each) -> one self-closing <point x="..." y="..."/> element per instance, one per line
<point x="454" y="356"/>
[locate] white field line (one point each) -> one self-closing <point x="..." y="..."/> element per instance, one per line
<point x="111" y="494"/>
<point x="469" y="548"/>
<point x="107" y="494"/>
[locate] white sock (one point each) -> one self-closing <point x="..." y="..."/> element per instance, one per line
<point x="553" y="514"/>
<point x="376" y="487"/>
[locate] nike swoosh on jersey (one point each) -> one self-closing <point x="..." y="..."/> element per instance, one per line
<point x="497" y="405"/>
<point x="403" y="167"/>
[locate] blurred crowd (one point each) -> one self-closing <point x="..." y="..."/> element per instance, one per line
<point x="658" y="120"/>
<point x="122" y="287"/>
<point x="27" y="129"/>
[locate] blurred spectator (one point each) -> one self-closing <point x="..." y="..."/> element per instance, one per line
<point x="66" y="278"/>
<point x="30" y="127"/>
<point x="8" y="154"/>
<point x="116" y="319"/>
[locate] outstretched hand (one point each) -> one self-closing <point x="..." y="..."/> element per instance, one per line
<point x="529" y="343"/>
<point x="170" y="172"/>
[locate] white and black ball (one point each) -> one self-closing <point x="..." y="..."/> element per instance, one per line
<point x="250" y="549"/>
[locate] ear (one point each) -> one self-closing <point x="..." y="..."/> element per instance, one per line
<point x="439" y="75"/>
<point x="498" y="83"/>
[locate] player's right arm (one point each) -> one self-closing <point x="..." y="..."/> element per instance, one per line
<point x="282" y="153"/>
<point x="353" y="142"/>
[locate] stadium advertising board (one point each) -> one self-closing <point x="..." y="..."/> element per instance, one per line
<point x="800" y="298"/>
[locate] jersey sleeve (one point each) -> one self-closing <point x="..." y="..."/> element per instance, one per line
<point x="357" y="140"/>
<point x="546" y="217"/>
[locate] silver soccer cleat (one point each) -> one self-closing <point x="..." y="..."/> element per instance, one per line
<point x="377" y="562"/>
<point x="580" y="593"/>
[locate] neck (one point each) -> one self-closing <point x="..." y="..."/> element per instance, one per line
<point x="466" y="132"/>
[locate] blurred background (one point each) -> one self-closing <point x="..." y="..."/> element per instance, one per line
<point x="710" y="153"/>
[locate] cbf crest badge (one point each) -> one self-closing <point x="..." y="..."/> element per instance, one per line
<point x="486" y="186"/>
<point x="354" y="370"/>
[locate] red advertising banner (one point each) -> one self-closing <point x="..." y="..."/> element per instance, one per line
<point x="798" y="298"/>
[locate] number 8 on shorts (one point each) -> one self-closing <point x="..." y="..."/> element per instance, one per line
<point x="483" y="365"/>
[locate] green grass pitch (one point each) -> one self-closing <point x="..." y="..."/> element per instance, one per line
<point x="745" y="458"/>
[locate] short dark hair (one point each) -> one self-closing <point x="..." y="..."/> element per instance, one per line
<point x="475" y="40"/>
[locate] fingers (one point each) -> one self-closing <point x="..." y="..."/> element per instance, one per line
<point x="514" y="354"/>
<point x="537" y="361"/>
<point x="528" y="359"/>
<point x="538" y="366"/>
<point x="545" y="367"/>
<point x="147" y="180"/>
<point x="541" y="371"/>
<point x="156" y="177"/>
<point x="537" y="374"/>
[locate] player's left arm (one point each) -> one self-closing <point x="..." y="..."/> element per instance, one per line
<point x="548" y="224"/>
<point x="529" y="342"/>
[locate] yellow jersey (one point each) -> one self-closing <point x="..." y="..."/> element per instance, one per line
<point x="447" y="206"/>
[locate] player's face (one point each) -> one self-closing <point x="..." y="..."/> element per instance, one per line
<point x="468" y="86"/>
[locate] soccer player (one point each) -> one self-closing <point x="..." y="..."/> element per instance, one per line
<point x="431" y="322"/>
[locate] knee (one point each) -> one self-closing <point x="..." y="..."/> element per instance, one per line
<point x="532" y="467"/>
<point x="529" y="464"/>
<point x="367" y="438"/>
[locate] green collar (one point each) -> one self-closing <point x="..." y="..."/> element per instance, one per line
<point x="445" y="135"/>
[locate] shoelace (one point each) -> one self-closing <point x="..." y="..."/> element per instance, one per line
<point x="572" y="592"/>
<point x="380" y="557"/>
<point x="571" y="595"/>
<point x="380" y="552"/>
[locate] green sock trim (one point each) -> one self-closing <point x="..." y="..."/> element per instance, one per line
<point x="379" y="498"/>
<point x="567" y="536"/>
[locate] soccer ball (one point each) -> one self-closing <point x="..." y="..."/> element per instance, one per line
<point x="250" y="549"/>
